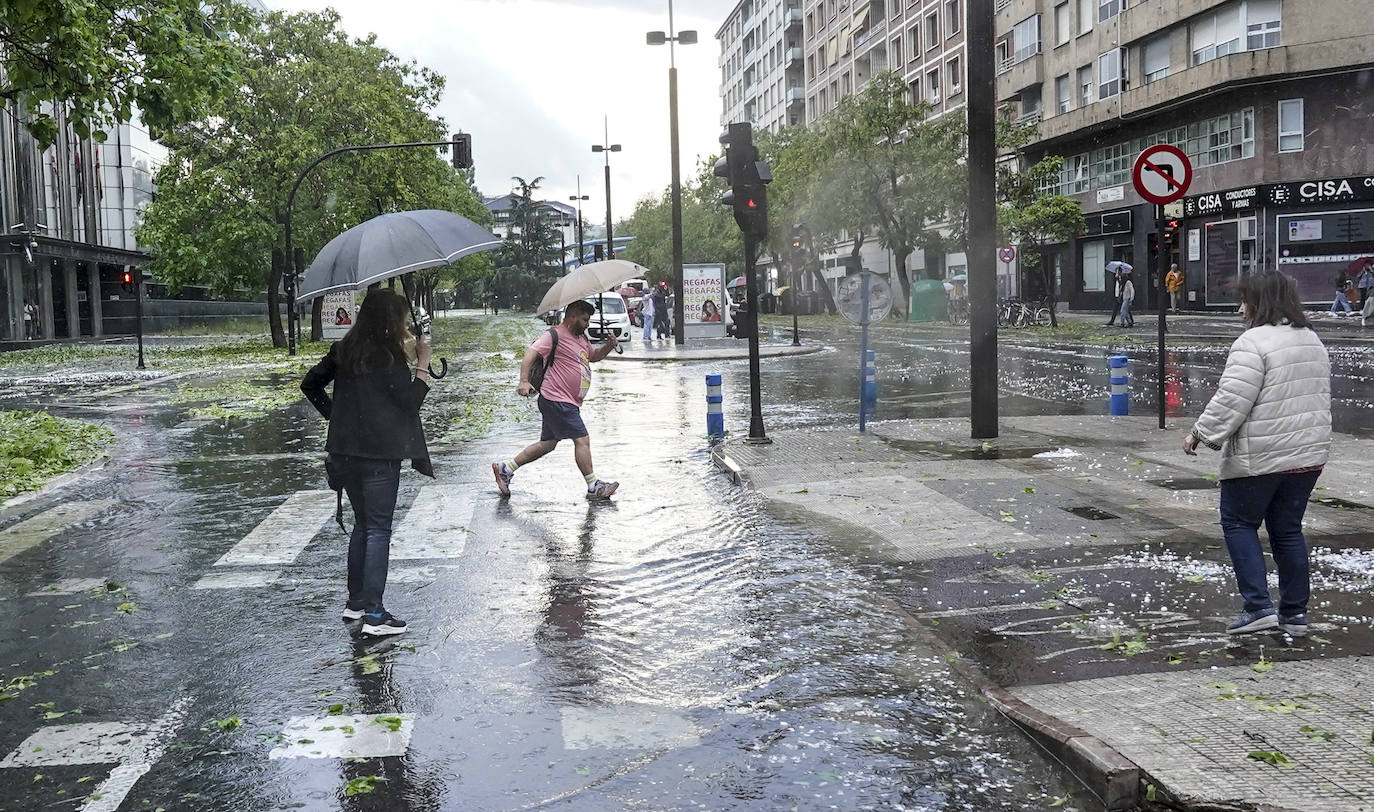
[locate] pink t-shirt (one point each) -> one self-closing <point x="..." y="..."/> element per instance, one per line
<point x="570" y="375"/>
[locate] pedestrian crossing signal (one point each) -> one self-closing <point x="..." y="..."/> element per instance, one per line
<point x="126" y="281"/>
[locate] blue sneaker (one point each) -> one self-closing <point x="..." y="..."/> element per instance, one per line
<point x="1249" y="622"/>
<point x="1294" y="625"/>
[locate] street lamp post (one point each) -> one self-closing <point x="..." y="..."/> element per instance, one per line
<point x="686" y="38"/>
<point x="579" y="197"/>
<point x="608" y="148"/>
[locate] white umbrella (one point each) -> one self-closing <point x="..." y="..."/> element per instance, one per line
<point x="1117" y="265"/>
<point x="590" y="279"/>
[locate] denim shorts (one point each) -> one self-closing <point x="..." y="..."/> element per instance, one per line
<point x="562" y="421"/>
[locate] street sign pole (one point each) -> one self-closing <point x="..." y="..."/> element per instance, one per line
<point x="1162" y="268"/>
<point x="863" y="354"/>
<point x="751" y="298"/>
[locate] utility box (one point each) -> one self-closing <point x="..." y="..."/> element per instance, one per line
<point x="928" y="301"/>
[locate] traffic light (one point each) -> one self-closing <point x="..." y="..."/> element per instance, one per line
<point x="748" y="177"/>
<point x="126" y="280"/>
<point x="598" y="252"/>
<point x="462" y="151"/>
<point x="1170" y="232"/>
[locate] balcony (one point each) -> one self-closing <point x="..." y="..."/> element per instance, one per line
<point x="792" y="56"/>
<point x="796" y="95"/>
<point x="792" y="17"/>
<point x="1015" y="75"/>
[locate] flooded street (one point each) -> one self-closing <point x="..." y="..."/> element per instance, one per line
<point x="176" y="642"/>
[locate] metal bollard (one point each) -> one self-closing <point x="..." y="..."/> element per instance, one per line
<point x="715" y="418"/>
<point x="1119" y="402"/>
<point x="871" y="382"/>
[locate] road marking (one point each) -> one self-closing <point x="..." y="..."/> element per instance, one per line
<point x="282" y="536"/>
<point x="69" y="586"/>
<point x="357" y="736"/>
<point x="1007" y="607"/>
<point x="37" y="529"/>
<point x="134" y="747"/>
<point x="237" y="580"/>
<point x="436" y="526"/>
<point x="626" y="728"/>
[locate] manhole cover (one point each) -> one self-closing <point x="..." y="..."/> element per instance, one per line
<point x="1095" y="514"/>
<point x="1331" y="501"/>
<point x="1188" y="483"/>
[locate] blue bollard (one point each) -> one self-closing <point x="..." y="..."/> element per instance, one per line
<point x="1119" y="402"/>
<point x="871" y="382"/>
<point x="715" y="418"/>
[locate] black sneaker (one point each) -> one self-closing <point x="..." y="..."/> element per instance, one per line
<point x="349" y="613"/>
<point x="385" y="623"/>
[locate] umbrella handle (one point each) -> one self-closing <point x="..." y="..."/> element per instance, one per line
<point x="619" y="349"/>
<point x="443" y="369"/>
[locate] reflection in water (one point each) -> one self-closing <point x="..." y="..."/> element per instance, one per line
<point x="570" y="613"/>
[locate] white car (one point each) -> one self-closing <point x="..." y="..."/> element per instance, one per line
<point x="612" y="317"/>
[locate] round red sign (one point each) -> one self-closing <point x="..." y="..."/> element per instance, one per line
<point x="1162" y="173"/>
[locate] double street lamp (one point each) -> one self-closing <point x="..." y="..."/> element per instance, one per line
<point x="608" y="148"/>
<point x="579" y="197"/>
<point x="686" y="38"/>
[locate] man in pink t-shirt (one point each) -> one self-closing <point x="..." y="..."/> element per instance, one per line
<point x="567" y="377"/>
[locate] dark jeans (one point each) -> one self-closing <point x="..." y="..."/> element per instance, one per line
<point x="1279" y="501"/>
<point x="371" y="486"/>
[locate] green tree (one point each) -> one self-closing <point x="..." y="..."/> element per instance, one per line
<point x="170" y="59"/>
<point x="709" y="233"/>
<point x="527" y="264"/>
<point x="308" y="88"/>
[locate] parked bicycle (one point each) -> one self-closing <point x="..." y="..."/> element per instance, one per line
<point x="1014" y="312"/>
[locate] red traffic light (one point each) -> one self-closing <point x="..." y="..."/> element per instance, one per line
<point x="751" y="204"/>
<point x="126" y="278"/>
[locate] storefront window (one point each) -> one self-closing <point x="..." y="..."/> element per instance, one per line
<point x="1094" y="264"/>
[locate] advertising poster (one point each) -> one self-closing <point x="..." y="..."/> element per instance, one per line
<point x="338" y="313"/>
<point x="703" y="300"/>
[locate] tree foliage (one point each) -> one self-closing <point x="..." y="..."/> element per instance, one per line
<point x="308" y="88"/>
<point x="173" y="60"/>
<point x="709" y="233"/>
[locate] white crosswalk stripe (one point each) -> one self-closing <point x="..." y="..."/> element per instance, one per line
<point x="436" y="525"/>
<point x="282" y="536"/>
<point x="37" y="529"/>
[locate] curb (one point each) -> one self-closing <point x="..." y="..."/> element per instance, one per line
<point x="59" y="481"/>
<point x="1113" y="778"/>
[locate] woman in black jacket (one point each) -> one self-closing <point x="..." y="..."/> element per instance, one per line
<point x="374" y="423"/>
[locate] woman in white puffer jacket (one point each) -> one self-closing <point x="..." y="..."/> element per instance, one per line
<point x="1271" y="419"/>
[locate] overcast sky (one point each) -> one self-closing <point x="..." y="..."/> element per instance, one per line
<point x="532" y="80"/>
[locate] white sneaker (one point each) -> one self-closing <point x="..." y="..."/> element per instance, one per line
<point x="503" y="475"/>
<point x="602" y="489"/>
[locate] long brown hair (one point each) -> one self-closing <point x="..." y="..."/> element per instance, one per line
<point x="1271" y="297"/>
<point x="379" y="333"/>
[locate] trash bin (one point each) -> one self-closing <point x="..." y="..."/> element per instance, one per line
<point x="806" y="303"/>
<point x="928" y="301"/>
<point x="768" y="303"/>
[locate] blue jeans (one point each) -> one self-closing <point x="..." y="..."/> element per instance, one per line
<point x="371" y="486"/>
<point x="1340" y="301"/>
<point x="1126" y="319"/>
<point x="1278" y="500"/>
<point x="648" y="326"/>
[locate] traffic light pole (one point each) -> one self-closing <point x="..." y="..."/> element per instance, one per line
<point x="982" y="221"/>
<point x="751" y="298"/>
<point x="1162" y="261"/>
<point x="138" y="313"/>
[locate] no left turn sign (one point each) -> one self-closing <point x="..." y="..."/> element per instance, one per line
<point x="1162" y="174"/>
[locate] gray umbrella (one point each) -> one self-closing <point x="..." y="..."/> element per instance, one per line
<point x="393" y="244"/>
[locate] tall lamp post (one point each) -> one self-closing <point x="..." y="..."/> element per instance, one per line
<point x="686" y="38"/>
<point x="608" y="148"/>
<point x="579" y="197"/>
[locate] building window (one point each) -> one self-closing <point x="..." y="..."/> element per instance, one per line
<point x="1216" y="35"/>
<point x="1263" y="24"/>
<point x="1094" y="264"/>
<point x="896" y="47"/>
<point x="1109" y="74"/>
<point x="1085" y="85"/>
<point x="1290" y="125"/>
<point x="1225" y="138"/>
<point x="932" y="30"/>
<point x="1025" y="38"/>
<point x="1063" y="94"/>
<point x="954" y="75"/>
<point x="933" y="82"/>
<point x="1156" y="61"/>
<point x="1061" y="23"/>
<point x="1107" y="9"/>
<point x="1111" y="166"/>
<point x="952" y="17"/>
<point x="1085" y="16"/>
<point x="915" y="90"/>
<point x="913" y="37"/>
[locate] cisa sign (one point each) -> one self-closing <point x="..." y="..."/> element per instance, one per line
<point x="1293" y="193"/>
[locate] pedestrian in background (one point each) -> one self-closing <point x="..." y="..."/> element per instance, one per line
<point x="663" y="310"/>
<point x="1173" y="283"/>
<point x="567" y="377"/>
<point x="1365" y="282"/>
<point x="1127" y="294"/>
<point x="1341" y="300"/>
<point x="374" y="423"/>
<point x="30" y="320"/>
<point x="646" y="315"/>
<point x="1271" y="419"/>
<point x="1116" y="292"/>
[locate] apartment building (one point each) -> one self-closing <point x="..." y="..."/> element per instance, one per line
<point x="1269" y="99"/>
<point x="761" y="79"/>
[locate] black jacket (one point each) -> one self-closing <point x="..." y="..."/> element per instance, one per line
<point x="374" y="415"/>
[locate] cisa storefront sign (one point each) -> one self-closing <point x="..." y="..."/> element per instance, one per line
<point x="1247" y="199"/>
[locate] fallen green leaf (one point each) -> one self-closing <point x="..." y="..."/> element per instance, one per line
<point x="362" y="785"/>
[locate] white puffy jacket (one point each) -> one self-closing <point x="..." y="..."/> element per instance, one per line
<point x="1272" y="408"/>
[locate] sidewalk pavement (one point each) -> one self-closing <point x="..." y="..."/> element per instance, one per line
<point x="1074" y="570"/>
<point x="705" y="349"/>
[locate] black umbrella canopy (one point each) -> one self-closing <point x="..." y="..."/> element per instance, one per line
<point x="393" y="244"/>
